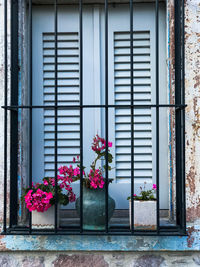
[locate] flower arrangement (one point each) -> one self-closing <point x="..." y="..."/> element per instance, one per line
<point x="94" y="179"/>
<point x="145" y="195"/>
<point x="41" y="196"/>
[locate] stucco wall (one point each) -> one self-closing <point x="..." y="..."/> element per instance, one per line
<point x="62" y="243"/>
<point x="99" y="260"/>
<point x="192" y="97"/>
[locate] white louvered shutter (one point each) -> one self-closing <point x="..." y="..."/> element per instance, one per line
<point x="68" y="94"/>
<point x="142" y="95"/>
<point x="43" y="134"/>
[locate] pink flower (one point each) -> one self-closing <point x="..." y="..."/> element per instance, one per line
<point x="154" y="186"/>
<point x="135" y="195"/>
<point x="96" y="178"/>
<point x="62" y="185"/>
<point x="67" y="174"/>
<point x="76" y="171"/>
<point x="99" y="144"/>
<point x="45" y="182"/>
<point x="109" y="144"/>
<point x="52" y="181"/>
<point x="39" y="200"/>
<point x="49" y="195"/>
<point x="72" y="196"/>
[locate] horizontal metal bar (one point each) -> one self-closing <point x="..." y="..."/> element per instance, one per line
<point x="163" y="232"/>
<point x="178" y="106"/>
<point x="61" y="146"/>
<point x="86" y="3"/>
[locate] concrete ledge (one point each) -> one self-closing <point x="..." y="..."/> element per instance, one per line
<point x="102" y="243"/>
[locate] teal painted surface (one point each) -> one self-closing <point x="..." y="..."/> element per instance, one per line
<point x="102" y="243"/>
<point x="94" y="210"/>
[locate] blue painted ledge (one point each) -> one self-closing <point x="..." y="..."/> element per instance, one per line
<point x="102" y="243"/>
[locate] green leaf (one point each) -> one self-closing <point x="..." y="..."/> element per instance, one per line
<point x="109" y="167"/>
<point x="110" y="158"/>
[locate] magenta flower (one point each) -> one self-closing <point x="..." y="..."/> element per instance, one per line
<point x="154" y="186"/>
<point x="99" y="144"/>
<point x="39" y="201"/>
<point x="109" y="144"/>
<point x="96" y="178"/>
<point x="45" y="182"/>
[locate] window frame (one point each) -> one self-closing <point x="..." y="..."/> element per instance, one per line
<point x="14" y="107"/>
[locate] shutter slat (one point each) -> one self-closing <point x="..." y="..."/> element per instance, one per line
<point x="68" y="134"/>
<point x="142" y="95"/>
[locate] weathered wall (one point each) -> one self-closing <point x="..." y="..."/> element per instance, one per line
<point x="65" y="243"/>
<point x="1" y="99"/>
<point x="99" y="260"/>
<point x="192" y="96"/>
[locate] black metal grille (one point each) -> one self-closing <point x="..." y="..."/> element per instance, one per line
<point x="14" y="107"/>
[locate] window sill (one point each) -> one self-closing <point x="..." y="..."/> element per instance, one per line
<point x="101" y="243"/>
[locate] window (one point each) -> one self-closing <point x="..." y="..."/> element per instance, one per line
<point x="88" y="68"/>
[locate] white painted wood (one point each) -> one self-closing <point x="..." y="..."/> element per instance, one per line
<point x="143" y="20"/>
<point x="68" y="94"/>
<point x="44" y="84"/>
<point x="94" y="92"/>
<point x="142" y="95"/>
<point x="97" y="69"/>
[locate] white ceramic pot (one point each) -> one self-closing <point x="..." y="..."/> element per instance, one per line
<point x="45" y="219"/>
<point x="144" y="214"/>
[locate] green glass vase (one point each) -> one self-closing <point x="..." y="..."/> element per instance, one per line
<point x="94" y="205"/>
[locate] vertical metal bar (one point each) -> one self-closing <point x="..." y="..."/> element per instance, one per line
<point x="132" y="118"/>
<point x="177" y="7"/>
<point x="30" y="102"/>
<point x="106" y="111"/>
<point x="81" y="112"/>
<point x="14" y="116"/>
<point x="157" y="114"/>
<point x="183" y="117"/>
<point x="5" y="114"/>
<point x="56" y="111"/>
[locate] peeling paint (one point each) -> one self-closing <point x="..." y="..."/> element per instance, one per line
<point x="192" y="97"/>
<point x="191" y="179"/>
<point x="100" y="243"/>
<point x="197" y="78"/>
<point x="145" y="243"/>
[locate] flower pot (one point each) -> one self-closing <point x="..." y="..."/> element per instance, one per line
<point x="94" y="216"/>
<point x="144" y="214"/>
<point x="45" y="219"/>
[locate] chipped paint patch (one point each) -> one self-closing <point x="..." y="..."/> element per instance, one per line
<point x="191" y="179"/>
<point x="190" y="238"/>
<point x="129" y="243"/>
<point x="192" y="97"/>
<point x="103" y="243"/>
